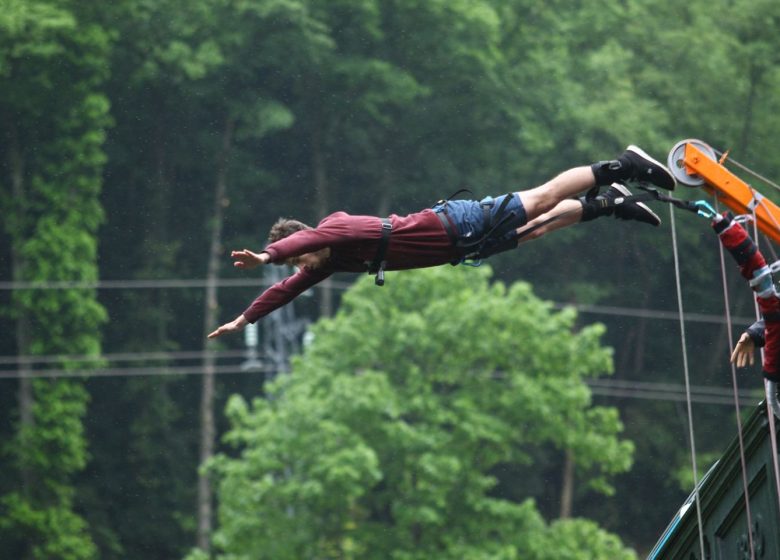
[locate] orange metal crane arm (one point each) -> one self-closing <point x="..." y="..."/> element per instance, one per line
<point x="732" y="191"/>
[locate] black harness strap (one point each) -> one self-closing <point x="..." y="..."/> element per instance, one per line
<point x="501" y="218"/>
<point x="377" y="266"/>
<point x="652" y="194"/>
<point x="491" y="229"/>
<point x="453" y="195"/>
<point x="448" y="227"/>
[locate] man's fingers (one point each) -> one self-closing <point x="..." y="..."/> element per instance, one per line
<point x="219" y="331"/>
<point x="742" y="355"/>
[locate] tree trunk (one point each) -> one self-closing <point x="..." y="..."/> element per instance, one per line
<point x="321" y="193"/>
<point x="567" y="486"/>
<point x="385" y="187"/>
<point x="756" y="73"/>
<point x="26" y="400"/>
<point x="208" y="429"/>
<point x="639" y="346"/>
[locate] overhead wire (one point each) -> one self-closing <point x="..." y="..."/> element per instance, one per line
<point x="749" y="171"/>
<point x="119" y="357"/>
<point x="735" y="389"/>
<point x="201" y="283"/>
<point x="607" y="387"/>
<point x="691" y="435"/>
<point x="149" y="283"/>
<point x="757" y="200"/>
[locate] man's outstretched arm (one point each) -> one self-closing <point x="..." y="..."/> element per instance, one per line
<point x="236" y="324"/>
<point x="243" y="259"/>
<point x="274" y="297"/>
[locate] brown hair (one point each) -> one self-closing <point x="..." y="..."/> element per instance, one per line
<point x="285" y="227"/>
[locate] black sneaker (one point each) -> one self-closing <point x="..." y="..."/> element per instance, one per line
<point x="646" y="170"/>
<point x="614" y="198"/>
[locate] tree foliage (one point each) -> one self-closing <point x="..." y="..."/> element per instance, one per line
<point x="390" y="436"/>
<point x="113" y="118"/>
<point x="54" y="120"/>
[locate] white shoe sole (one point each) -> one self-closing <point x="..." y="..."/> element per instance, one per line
<point x="643" y="154"/>
<point x="625" y="192"/>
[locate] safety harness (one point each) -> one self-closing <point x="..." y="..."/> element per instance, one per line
<point x="472" y="249"/>
<point x="377" y="266"/>
<point x="494" y="240"/>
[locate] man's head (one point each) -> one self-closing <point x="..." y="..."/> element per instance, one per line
<point x="285" y="227"/>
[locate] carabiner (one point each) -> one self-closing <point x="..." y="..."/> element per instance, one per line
<point x="704" y="209"/>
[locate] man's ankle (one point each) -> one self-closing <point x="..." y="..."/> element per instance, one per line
<point x="611" y="171"/>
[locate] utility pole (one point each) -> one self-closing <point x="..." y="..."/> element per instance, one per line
<point x="251" y="361"/>
<point x="282" y="331"/>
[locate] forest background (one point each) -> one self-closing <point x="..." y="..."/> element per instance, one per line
<point x="454" y="413"/>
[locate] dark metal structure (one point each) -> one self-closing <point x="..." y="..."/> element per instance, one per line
<point x="723" y="507"/>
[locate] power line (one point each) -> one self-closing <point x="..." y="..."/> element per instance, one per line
<point x="129" y="372"/>
<point x="667" y="392"/>
<point x="181" y="283"/>
<point x="120" y="357"/>
<point x="649" y="391"/>
<point x="152" y="283"/>
<point x="670" y="392"/>
<point x="651" y="313"/>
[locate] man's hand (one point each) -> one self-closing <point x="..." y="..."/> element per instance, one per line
<point x="235" y="325"/>
<point x="743" y="352"/>
<point x="246" y="259"/>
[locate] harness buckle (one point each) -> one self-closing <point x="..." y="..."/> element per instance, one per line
<point x="377" y="266"/>
<point x="379" y="280"/>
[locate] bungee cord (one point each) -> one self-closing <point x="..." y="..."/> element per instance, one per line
<point x="735" y="389"/>
<point x="694" y="171"/>
<point x="687" y="381"/>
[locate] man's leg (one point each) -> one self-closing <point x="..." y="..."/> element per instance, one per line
<point x="548" y="207"/>
<point x="571" y="211"/>
<point x="567" y="212"/>
<point x="634" y="165"/>
<point x="568" y="184"/>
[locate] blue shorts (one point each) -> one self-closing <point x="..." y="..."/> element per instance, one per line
<point x="469" y="219"/>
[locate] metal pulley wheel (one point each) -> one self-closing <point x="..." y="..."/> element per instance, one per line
<point x="676" y="162"/>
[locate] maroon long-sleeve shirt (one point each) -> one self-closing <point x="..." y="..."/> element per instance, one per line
<point x="417" y="241"/>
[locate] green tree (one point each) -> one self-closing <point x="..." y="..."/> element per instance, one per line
<point x="246" y="110"/>
<point x="391" y="436"/>
<point x="156" y="162"/>
<point x="53" y="62"/>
